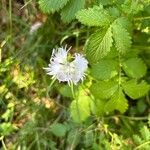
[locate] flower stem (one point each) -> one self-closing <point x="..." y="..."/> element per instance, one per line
<point x="3" y="143"/>
<point x="72" y="90"/>
<point x="50" y="86"/>
<point x="76" y="99"/>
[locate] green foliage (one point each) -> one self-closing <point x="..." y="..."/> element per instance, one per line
<point x="103" y="89"/>
<point x="89" y="138"/>
<point x="132" y="7"/>
<point x="68" y="8"/>
<point x="98" y="113"/>
<point x="117" y="102"/>
<point x="105" y="69"/>
<point x="142" y="140"/>
<point x="121" y="37"/>
<point x="134" y="67"/>
<point x="65" y="90"/>
<point x="72" y="7"/>
<point x="97" y="107"/>
<point x="80" y="108"/>
<point x="99" y="45"/>
<point x="48" y="6"/>
<point x="6" y="128"/>
<point x="73" y="138"/>
<point x="58" y="129"/>
<point x="95" y="16"/>
<point x="135" y="90"/>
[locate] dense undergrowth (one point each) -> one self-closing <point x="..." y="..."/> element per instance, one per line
<point x="109" y="110"/>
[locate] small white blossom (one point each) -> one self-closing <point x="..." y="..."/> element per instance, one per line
<point x="65" y="71"/>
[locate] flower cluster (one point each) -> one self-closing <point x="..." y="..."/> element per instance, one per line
<point x="65" y="71"/>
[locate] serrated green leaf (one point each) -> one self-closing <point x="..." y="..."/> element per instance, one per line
<point x="137" y="139"/>
<point x="105" y="69"/>
<point x="99" y="45"/>
<point x="48" y="6"/>
<point x="80" y="108"/>
<point x="6" y="128"/>
<point x="69" y="11"/>
<point x="103" y="89"/>
<point x="97" y="107"/>
<point x="124" y="22"/>
<point x="132" y="7"/>
<point x="135" y="90"/>
<point x="112" y="54"/>
<point x="117" y="102"/>
<point x="145" y="133"/>
<point x="121" y="37"/>
<point x="113" y="11"/>
<point x="58" y="129"/>
<point x="95" y="16"/>
<point x="134" y="67"/>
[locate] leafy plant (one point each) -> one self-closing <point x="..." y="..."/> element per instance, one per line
<point x="109" y="108"/>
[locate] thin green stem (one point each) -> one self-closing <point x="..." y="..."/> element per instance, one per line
<point x="3" y="143"/>
<point x="72" y="90"/>
<point x="76" y="99"/>
<point x="142" y="18"/>
<point x="50" y="86"/>
<point x="145" y="143"/>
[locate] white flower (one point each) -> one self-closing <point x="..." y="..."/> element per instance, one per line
<point x="65" y="71"/>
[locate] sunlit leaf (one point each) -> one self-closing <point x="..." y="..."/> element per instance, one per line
<point x="135" y="90"/>
<point x="105" y="69"/>
<point x="134" y="67"/>
<point x="103" y="89"/>
<point x="99" y="45"/>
